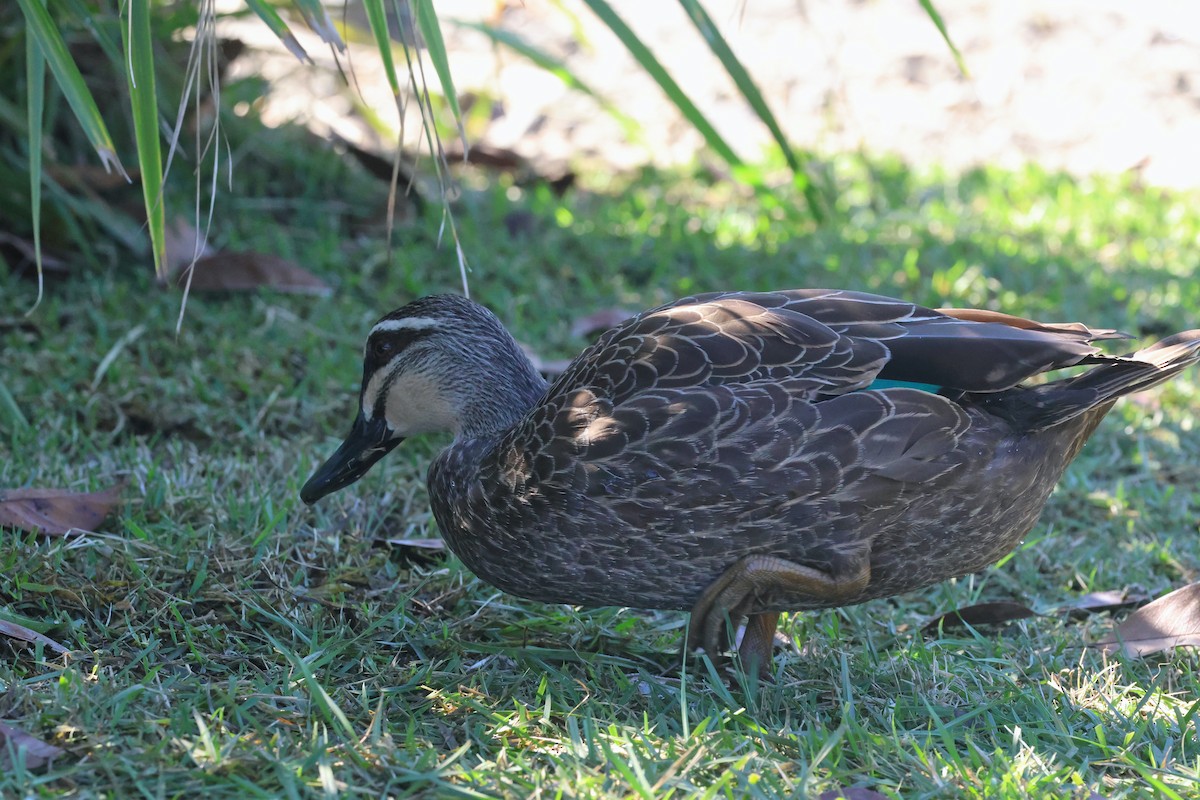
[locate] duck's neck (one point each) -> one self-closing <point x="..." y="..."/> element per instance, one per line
<point x="512" y="387"/>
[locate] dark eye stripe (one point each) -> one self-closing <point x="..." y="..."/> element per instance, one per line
<point x="381" y="398"/>
<point x="398" y="341"/>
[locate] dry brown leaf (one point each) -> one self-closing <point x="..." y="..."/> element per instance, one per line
<point x="184" y="244"/>
<point x="37" y="752"/>
<point x="482" y="155"/>
<point x="1171" y="621"/>
<point x="24" y="251"/>
<point x="56" y="511"/>
<point x="16" y="631"/>
<point x="245" y="271"/>
<point x="600" y="321"/>
<point x="1099" y="602"/>
<point x="980" y="614"/>
<point x="851" y="793"/>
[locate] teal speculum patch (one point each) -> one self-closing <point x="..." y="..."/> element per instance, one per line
<point x="883" y="383"/>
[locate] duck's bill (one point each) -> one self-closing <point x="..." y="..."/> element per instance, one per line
<point x="367" y="443"/>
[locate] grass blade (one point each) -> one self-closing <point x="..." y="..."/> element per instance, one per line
<point x="936" y="19"/>
<point x="318" y="19"/>
<point x="555" y="67"/>
<point x="329" y="708"/>
<point x="139" y="69"/>
<point x="745" y="84"/>
<point x="377" y="20"/>
<point x="70" y="81"/>
<point x="10" y="412"/>
<point x="267" y="13"/>
<point x="642" y="54"/>
<point x="35" y="77"/>
<point x="427" y="21"/>
<point x="97" y="26"/>
<point x="741" y="78"/>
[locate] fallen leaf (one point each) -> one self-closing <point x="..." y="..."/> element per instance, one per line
<point x="37" y="752"/>
<point x="851" y="793"/>
<point x="1099" y="602"/>
<point x="600" y="321"/>
<point x="482" y="155"/>
<point x="244" y="271"/>
<point x="976" y="615"/>
<point x="1171" y="621"/>
<point x="15" y="631"/>
<point x="56" y="511"/>
<point x="378" y="166"/>
<point x="22" y="252"/>
<point x="409" y="186"/>
<point x="184" y="244"/>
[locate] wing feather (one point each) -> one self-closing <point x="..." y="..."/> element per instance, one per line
<point x="723" y="408"/>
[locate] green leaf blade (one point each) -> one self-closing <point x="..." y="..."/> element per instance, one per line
<point x="35" y="72"/>
<point x="646" y="59"/>
<point x="66" y="73"/>
<point x="318" y="19"/>
<point x="940" y="24"/>
<point x="377" y="20"/>
<point x="750" y="92"/>
<point x="435" y="45"/>
<point x="270" y="17"/>
<point x="139" y="61"/>
<point x="555" y="67"/>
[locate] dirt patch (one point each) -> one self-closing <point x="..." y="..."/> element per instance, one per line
<point x="1083" y="85"/>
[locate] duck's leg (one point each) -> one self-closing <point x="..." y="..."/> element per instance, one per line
<point x="734" y="595"/>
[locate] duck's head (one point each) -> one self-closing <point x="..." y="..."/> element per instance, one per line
<point x="439" y="363"/>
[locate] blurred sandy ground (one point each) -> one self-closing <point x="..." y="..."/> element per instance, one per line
<point x="1083" y="85"/>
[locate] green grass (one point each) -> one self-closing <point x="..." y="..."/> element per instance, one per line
<point x="230" y="642"/>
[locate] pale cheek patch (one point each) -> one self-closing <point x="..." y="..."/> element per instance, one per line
<point x="414" y="405"/>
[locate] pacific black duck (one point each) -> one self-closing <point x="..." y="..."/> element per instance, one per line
<point x="739" y="454"/>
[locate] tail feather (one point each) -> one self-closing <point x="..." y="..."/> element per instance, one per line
<point x="1182" y="349"/>
<point x="1116" y="376"/>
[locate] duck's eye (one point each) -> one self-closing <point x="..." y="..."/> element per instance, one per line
<point x="382" y="349"/>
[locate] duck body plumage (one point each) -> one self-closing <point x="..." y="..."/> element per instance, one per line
<point x="732" y="424"/>
<point x="745" y="429"/>
<point x="643" y="533"/>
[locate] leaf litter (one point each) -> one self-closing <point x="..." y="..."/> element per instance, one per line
<point x="1171" y="621"/>
<point x="36" y="753"/>
<point x="56" y="512"/>
<point x="233" y="271"/>
<point x="16" y="631"/>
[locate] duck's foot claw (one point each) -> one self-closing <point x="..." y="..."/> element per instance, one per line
<point x="758" y="642"/>
<point x="747" y="586"/>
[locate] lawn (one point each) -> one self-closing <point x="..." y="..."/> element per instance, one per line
<point x="227" y="641"/>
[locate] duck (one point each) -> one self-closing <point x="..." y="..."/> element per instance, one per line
<point x="740" y="454"/>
